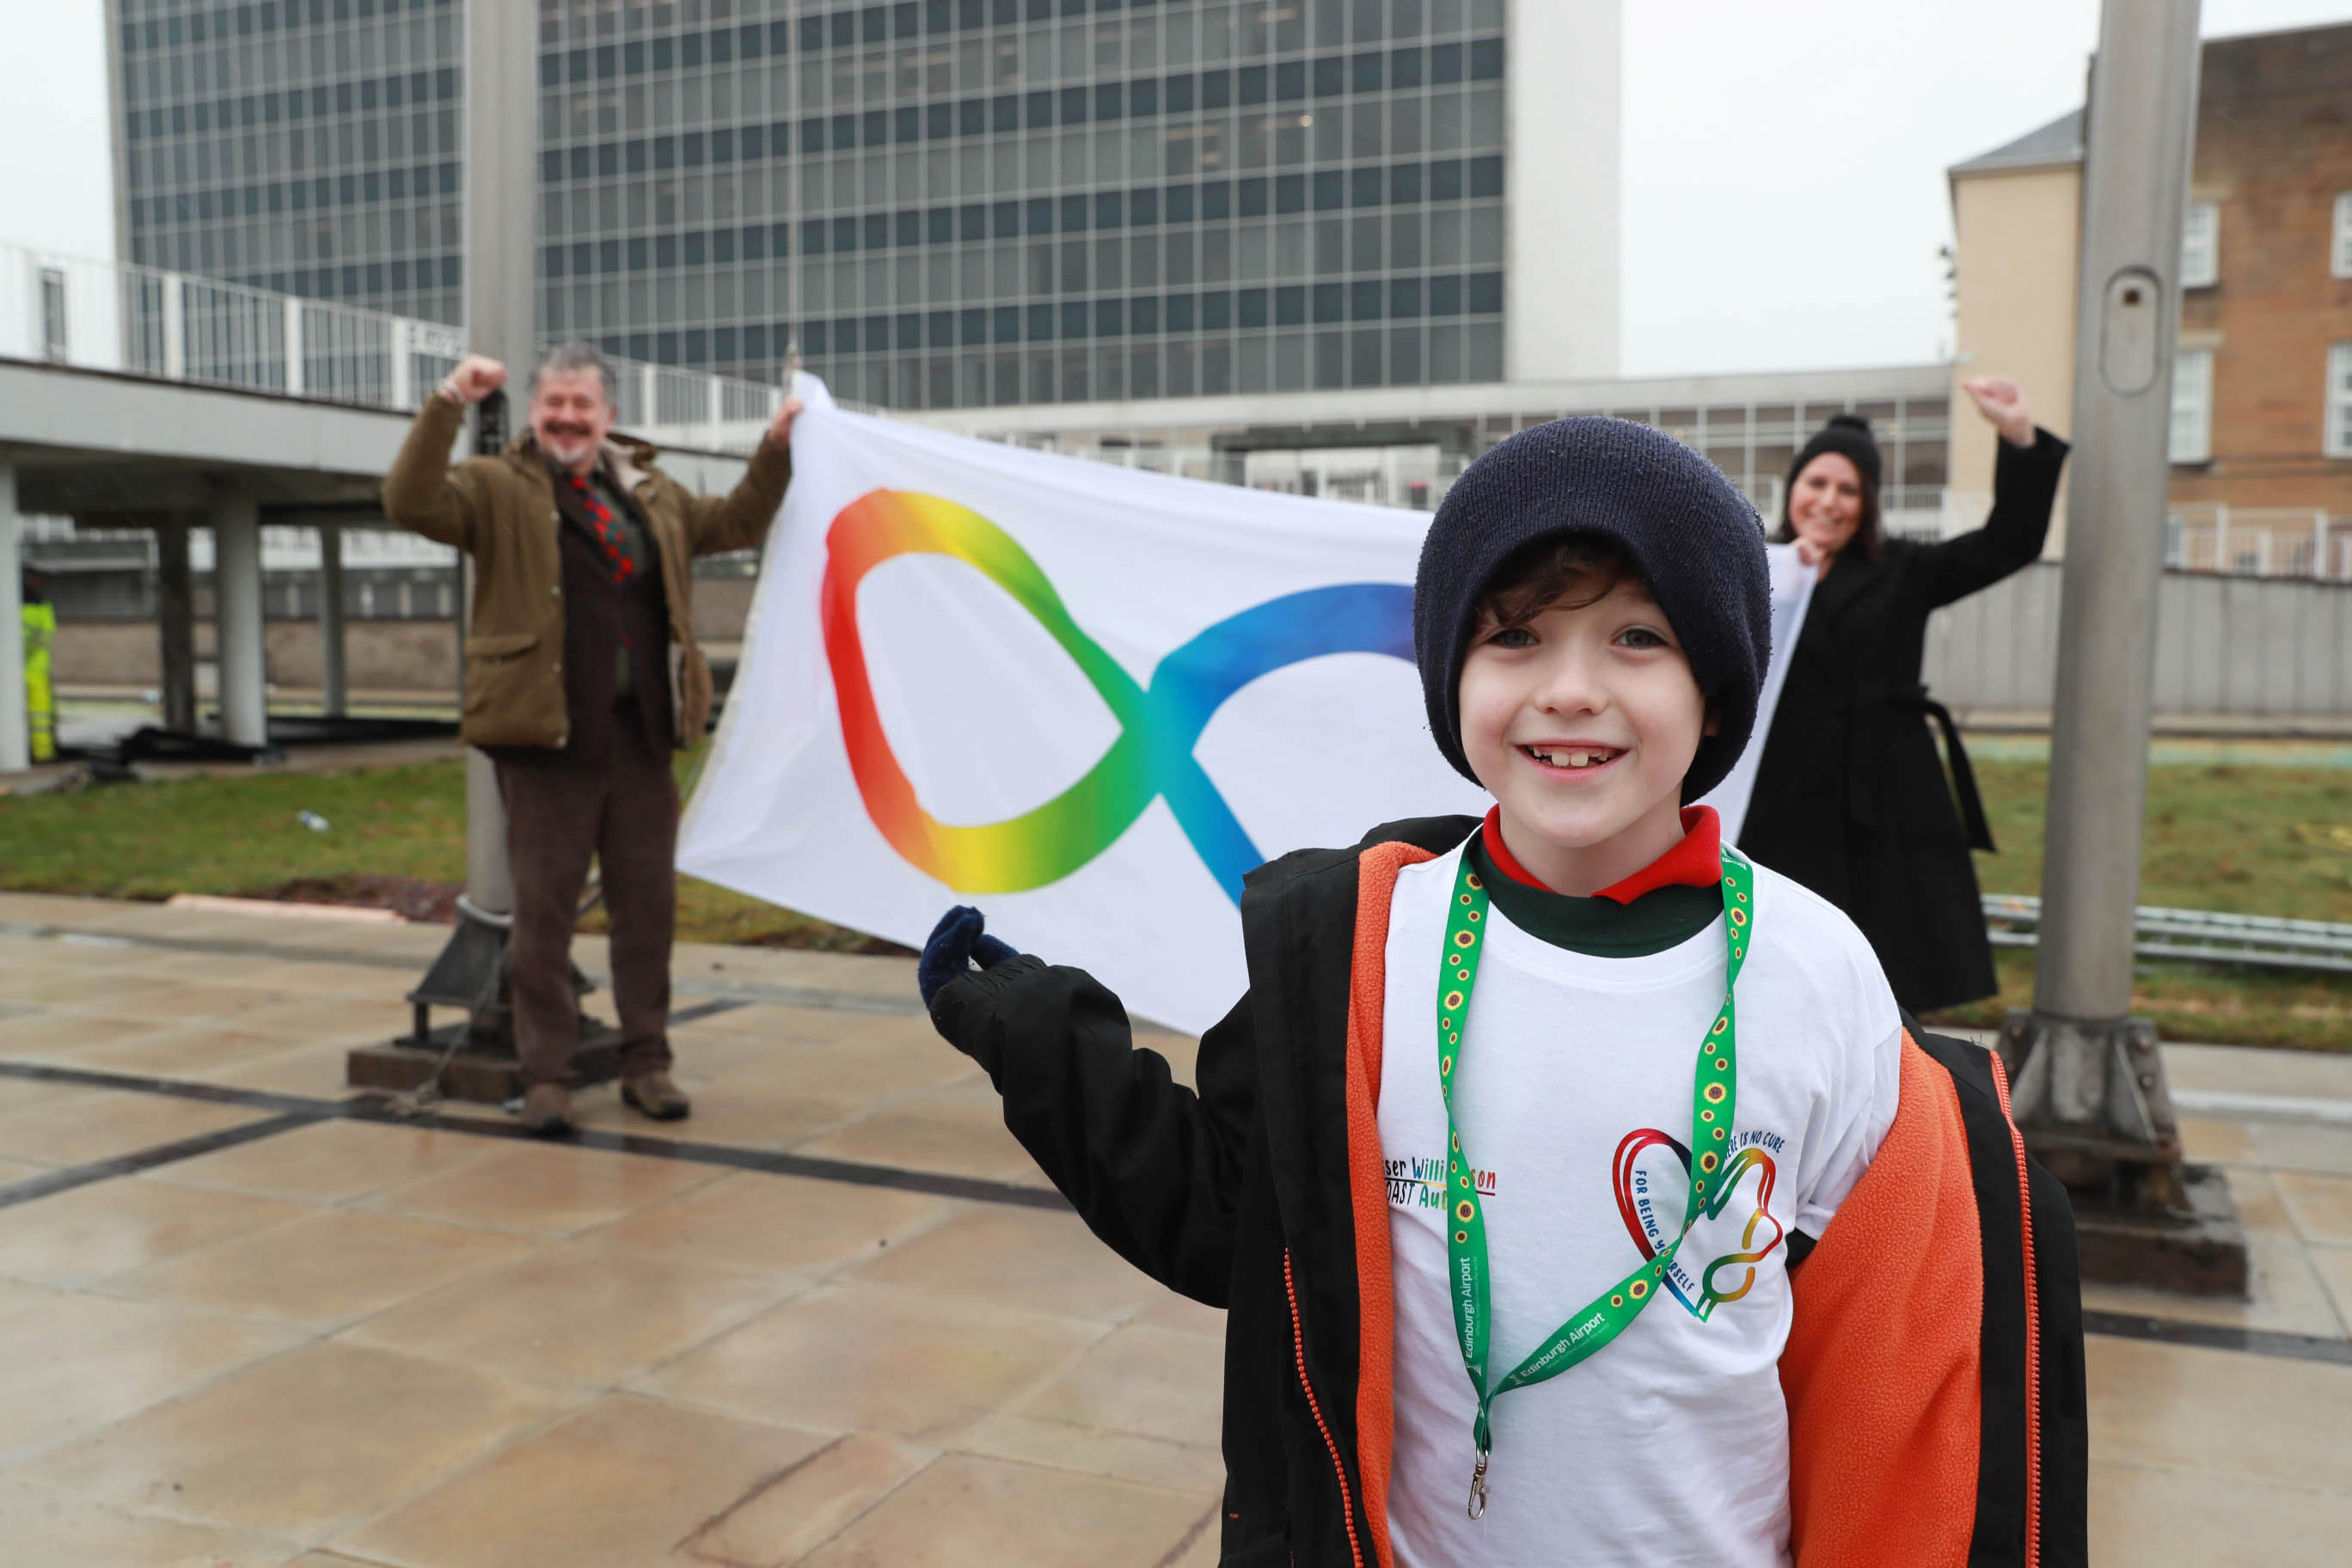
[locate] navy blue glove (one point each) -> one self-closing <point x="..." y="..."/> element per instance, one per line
<point x="956" y="941"/>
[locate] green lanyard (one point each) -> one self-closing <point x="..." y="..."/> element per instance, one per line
<point x="1606" y="1315"/>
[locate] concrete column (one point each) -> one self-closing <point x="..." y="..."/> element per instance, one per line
<point x="333" y="680"/>
<point x="237" y="620"/>
<point x="175" y="624"/>
<point x="15" y="738"/>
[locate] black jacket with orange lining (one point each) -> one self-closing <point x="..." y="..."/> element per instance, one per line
<point x="1933" y="1371"/>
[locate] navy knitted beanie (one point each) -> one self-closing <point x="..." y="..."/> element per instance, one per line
<point x="1695" y="539"/>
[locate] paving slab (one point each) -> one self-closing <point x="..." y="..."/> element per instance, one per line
<point x="834" y="1319"/>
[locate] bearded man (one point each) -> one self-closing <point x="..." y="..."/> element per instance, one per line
<point x="582" y="678"/>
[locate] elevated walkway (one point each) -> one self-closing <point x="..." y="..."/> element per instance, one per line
<point x="136" y="398"/>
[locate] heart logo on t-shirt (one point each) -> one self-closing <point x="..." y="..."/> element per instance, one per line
<point x="1651" y="1224"/>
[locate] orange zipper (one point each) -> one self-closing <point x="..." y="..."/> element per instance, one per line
<point x="2033" y="1328"/>
<point x="1298" y="1349"/>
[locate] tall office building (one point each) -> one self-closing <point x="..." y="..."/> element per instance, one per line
<point x="310" y="148"/>
<point x="944" y="203"/>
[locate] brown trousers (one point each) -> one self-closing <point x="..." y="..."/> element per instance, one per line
<point x="622" y="808"/>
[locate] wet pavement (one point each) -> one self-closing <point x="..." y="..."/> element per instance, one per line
<point x="834" y="1319"/>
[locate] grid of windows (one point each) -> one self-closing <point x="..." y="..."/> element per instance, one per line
<point x="959" y="202"/>
<point x="942" y="202"/>
<point x="1753" y="438"/>
<point x="306" y="146"/>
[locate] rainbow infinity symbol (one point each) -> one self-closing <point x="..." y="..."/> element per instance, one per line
<point x="1159" y="724"/>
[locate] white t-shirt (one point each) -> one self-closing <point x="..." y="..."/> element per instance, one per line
<point x="1670" y="1446"/>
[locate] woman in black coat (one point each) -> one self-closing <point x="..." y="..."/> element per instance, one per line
<point x="1850" y="797"/>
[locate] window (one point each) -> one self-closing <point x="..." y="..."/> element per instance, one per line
<point x="2340" y="255"/>
<point x="2338" y="433"/>
<point x="2200" y="247"/>
<point x="53" y="313"/>
<point x="2192" y="407"/>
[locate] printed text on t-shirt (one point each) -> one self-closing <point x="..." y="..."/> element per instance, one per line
<point x="1420" y="1183"/>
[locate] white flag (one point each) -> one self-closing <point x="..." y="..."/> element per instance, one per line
<point x="1792" y="593"/>
<point x="1086" y="699"/>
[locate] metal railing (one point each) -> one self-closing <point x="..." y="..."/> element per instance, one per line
<point x="2195" y="936"/>
<point x="174" y="326"/>
<point x="669" y="406"/>
<point x="2259" y="541"/>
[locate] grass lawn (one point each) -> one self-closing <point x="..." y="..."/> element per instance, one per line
<point x="390" y="831"/>
<point x="2254" y="839"/>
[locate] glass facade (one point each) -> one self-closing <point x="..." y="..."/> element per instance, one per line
<point x="306" y="146"/>
<point x="1751" y="432"/>
<point x="942" y="202"/>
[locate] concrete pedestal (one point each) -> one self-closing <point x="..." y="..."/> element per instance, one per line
<point x="2196" y="1249"/>
<point x="2090" y="1099"/>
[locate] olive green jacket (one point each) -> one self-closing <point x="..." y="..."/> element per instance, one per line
<point x="501" y="511"/>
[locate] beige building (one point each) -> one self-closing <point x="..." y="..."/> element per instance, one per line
<point x="2261" y="406"/>
<point x="2017" y="213"/>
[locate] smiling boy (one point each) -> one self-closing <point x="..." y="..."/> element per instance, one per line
<point x="1573" y="1186"/>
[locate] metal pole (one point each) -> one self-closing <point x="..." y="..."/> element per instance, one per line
<point x="237" y="627"/>
<point x="2089" y="1082"/>
<point x="501" y="304"/>
<point x="2136" y="177"/>
<point x="489" y="879"/>
<point x="334" y="682"/>
<point x="16" y="735"/>
<point x="501" y="314"/>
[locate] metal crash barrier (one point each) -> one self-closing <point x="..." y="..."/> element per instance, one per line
<point x="2194" y="936"/>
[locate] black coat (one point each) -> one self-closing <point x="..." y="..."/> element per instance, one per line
<point x="1851" y="799"/>
<point x="1265" y="1193"/>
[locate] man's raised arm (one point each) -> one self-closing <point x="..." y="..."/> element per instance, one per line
<point x="420" y="493"/>
<point x="739" y="519"/>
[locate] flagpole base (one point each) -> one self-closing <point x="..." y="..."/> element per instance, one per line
<point x="2090" y="1098"/>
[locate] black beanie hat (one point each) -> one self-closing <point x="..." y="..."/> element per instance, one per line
<point x="1847" y="435"/>
<point x="1693" y="538"/>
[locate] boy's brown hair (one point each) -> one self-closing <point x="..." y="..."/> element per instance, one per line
<point x="1565" y="571"/>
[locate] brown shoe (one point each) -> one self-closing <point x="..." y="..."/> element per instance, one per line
<point x="655" y="1095"/>
<point x="547" y="1111"/>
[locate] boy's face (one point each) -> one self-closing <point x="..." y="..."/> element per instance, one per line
<point x="1581" y="722"/>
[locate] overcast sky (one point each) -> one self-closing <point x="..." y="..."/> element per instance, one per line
<point x="1784" y="182"/>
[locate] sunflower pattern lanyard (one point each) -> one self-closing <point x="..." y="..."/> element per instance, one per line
<point x="1608" y="1314"/>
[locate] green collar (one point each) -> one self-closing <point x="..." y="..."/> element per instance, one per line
<point x="1602" y="928"/>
